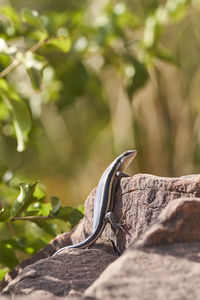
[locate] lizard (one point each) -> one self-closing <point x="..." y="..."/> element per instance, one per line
<point x="104" y="199"/>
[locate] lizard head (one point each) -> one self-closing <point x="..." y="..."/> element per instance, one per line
<point x="126" y="158"/>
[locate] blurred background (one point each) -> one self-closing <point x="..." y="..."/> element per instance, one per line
<point x="127" y="77"/>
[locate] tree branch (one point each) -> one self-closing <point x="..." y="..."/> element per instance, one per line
<point x="31" y="218"/>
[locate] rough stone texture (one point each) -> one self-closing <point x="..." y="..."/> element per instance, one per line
<point x="40" y="295"/>
<point x="69" y="273"/>
<point x="139" y="199"/>
<point x="62" y="239"/>
<point x="169" y="272"/>
<point x="179" y="222"/>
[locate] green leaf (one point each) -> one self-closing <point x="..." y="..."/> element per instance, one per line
<point x="35" y="246"/>
<point x="3" y="273"/>
<point x="7" y="255"/>
<point x="56" y="204"/>
<point x="35" y="76"/>
<point x="32" y="213"/>
<point x="34" y="65"/>
<point x="54" y="21"/>
<point x="46" y="226"/>
<point x="4" y="86"/>
<point x="62" y="42"/>
<point x="81" y="208"/>
<point x="9" y="12"/>
<point x="4" y="214"/>
<point x="20" y="114"/>
<point x="4" y="112"/>
<point x="14" y="243"/>
<point x="21" y="121"/>
<point x="70" y="214"/>
<point x="24" y="199"/>
<point x="42" y="209"/>
<point x="39" y="193"/>
<point x="5" y="60"/>
<point x="33" y="18"/>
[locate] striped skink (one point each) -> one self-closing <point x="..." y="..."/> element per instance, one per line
<point x="104" y="200"/>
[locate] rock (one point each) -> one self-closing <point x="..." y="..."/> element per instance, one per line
<point x="69" y="273"/>
<point x="47" y="251"/>
<point x="163" y="264"/>
<point x="42" y="295"/>
<point x="179" y="222"/>
<point x="140" y="200"/>
<point x="169" y="272"/>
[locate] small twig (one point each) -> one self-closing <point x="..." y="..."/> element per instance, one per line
<point x="31" y="218"/>
<point x="38" y="45"/>
<point x="9" y="68"/>
<point x="10" y="228"/>
<point x="16" y="63"/>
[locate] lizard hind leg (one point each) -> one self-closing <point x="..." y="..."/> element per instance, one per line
<point x="116" y="248"/>
<point x="110" y="217"/>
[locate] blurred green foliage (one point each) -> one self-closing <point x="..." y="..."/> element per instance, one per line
<point x="81" y="82"/>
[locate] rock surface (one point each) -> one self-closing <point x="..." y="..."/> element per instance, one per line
<point x="169" y="272"/>
<point x="140" y="200"/>
<point x="178" y="223"/>
<point x="164" y="263"/>
<point x="70" y="273"/>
